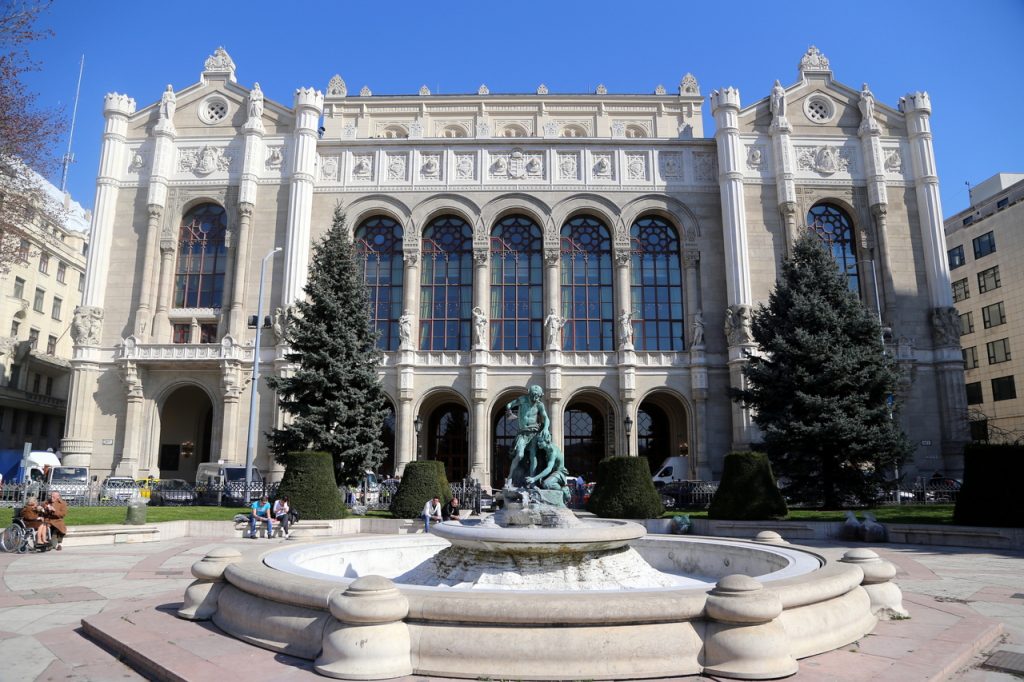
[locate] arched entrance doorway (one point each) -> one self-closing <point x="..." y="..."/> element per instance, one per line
<point x="387" y="437"/>
<point x="588" y="426"/>
<point x="662" y="431"/>
<point x="503" y="436"/>
<point x="447" y="439"/>
<point x="186" y="431"/>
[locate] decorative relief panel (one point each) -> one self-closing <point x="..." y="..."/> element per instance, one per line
<point x="604" y="166"/>
<point x="362" y="167"/>
<point x="452" y="128"/>
<point x="893" y="161"/>
<point x="430" y="167"/>
<point x="671" y="165"/>
<point x="516" y="165"/>
<point x="482" y="129"/>
<point x="824" y="160"/>
<point x="618" y="128"/>
<point x="636" y="166"/>
<point x="568" y="166"/>
<point x="575" y="127"/>
<point x="518" y="127"/>
<point x="755" y="157"/>
<point x="551" y="129"/>
<point x="397" y="165"/>
<point x="348" y="131"/>
<point x="275" y="158"/>
<point x="203" y="160"/>
<point x="329" y="167"/>
<point x="137" y="163"/>
<point x="705" y="165"/>
<point x="465" y="166"/>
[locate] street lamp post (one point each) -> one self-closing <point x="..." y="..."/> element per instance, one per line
<point x="250" y="446"/>
<point x="629" y="431"/>
<point x="418" y="424"/>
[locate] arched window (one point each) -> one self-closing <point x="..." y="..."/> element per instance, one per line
<point x="587" y="301"/>
<point x="656" y="293"/>
<point x="517" y="291"/>
<point x="448" y="439"/>
<point x="446" y="285"/>
<point x="202" y="258"/>
<point x="835" y="228"/>
<point x="379" y="245"/>
<point x="584" y="429"/>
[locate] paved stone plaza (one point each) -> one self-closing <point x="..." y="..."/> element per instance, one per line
<point x="964" y="605"/>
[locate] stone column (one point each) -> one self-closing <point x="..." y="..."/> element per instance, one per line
<point x="87" y="327"/>
<point x="552" y="284"/>
<point x="130" y="460"/>
<point x="785" y="185"/>
<point x="236" y="312"/>
<point x="231" y="384"/>
<point x="405" y="448"/>
<point x="948" y="358"/>
<point x="874" y="170"/>
<point x="726" y="107"/>
<point x="309" y="104"/>
<point x="161" y="320"/>
<point x="405" y="434"/>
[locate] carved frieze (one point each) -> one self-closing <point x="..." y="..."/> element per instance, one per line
<point x="705" y="165"/>
<point x="137" y="163"/>
<point x="946" y="326"/>
<point x="87" y="325"/>
<point x="636" y="166"/>
<point x="516" y="165"/>
<point x="671" y="165"/>
<point x="604" y="166"/>
<point x="430" y="168"/>
<point x="275" y="158"/>
<point x="482" y="129"/>
<point x="465" y="166"/>
<point x="329" y="167"/>
<point x="737" y="325"/>
<point x="568" y="166"/>
<point x="398" y="165"/>
<point x="348" y="131"/>
<point x="893" y="161"/>
<point x="362" y="167"/>
<point x="755" y="157"/>
<point x="824" y="160"/>
<point x="203" y="160"/>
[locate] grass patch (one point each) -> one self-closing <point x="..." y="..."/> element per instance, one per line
<point x="94" y="516"/>
<point x="935" y="514"/>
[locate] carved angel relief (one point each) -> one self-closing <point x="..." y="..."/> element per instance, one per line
<point x="203" y="160"/>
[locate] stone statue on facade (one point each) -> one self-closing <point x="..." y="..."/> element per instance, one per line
<point x="867" y="108"/>
<point x="405" y="331"/>
<point x="554" y="324"/>
<point x="281" y="323"/>
<point x="534" y="423"/>
<point x="777" y="103"/>
<point x="168" y="104"/>
<point x="626" y="328"/>
<point x="255" y="103"/>
<point x="479" y="328"/>
<point x="737" y="325"/>
<point x="946" y="326"/>
<point x="87" y="325"/>
<point x="698" y="330"/>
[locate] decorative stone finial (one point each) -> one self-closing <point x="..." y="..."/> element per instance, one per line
<point x="660" y="90"/>
<point x="886" y="597"/>
<point x="424" y="91"/>
<point x="814" y="61"/>
<point x="336" y="87"/>
<point x="916" y="101"/>
<point x="726" y="97"/>
<point x="483" y="90"/>
<point x="601" y="90"/>
<point x="688" y="85"/>
<point x="770" y="537"/>
<point x="220" y="63"/>
<point x="116" y="103"/>
<point x="365" y="92"/>
<point x="542" y="89"/>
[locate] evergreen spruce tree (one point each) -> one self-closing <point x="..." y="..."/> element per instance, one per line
<point x="334" y="397"/>
<point x="820" y="385"/>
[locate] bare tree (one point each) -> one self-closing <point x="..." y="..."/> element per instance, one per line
<point x="28" y="135"/>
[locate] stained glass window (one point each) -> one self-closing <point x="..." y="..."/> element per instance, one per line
<point x="587" y="294"/>
<point x="517" y="291"/>
<point x="656" y="293"/>
<point x="378" y="242"/>
<point x="835" y="228"/>
<point x="202" y="258"/>
<point x="446" y="285"/>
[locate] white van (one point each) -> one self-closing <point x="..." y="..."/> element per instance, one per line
<point x="672" y="469"/>
<point x="228" y="479"/>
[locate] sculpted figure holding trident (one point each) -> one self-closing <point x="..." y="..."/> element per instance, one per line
<point x="533" y="422"/>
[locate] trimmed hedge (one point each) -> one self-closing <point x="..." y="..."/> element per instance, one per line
<point x="748" y="491"/>
<point x="990" y="493"/>
<point x="624" y="490"/>
<point x="309" y="485"/>
<point x="421" y="481"/>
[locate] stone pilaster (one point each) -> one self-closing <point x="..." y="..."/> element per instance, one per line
<point x="785" y="184"/>
<point x="231" y="385"/>
<point x="130" y="462"/>
<point x="309" y="104"/>
<point x="874" y="170"/>
<point x="236" y="313"/>
<point x="161" y="320"/>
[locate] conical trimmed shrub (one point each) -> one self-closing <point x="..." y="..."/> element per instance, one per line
<point x="748" y="491"/>
<point x="624" y="490"/>
<point x="309" y="485"/>
<point x="421" y="481"/>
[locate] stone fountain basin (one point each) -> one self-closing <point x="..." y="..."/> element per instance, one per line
<point x="279" y="600"/>
<point x="595" y="535"/>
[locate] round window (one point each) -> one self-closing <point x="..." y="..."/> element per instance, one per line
<point x="213" y="110"/>
<point x="819" y="109"/>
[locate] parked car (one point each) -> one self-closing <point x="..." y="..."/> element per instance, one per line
<point x="943" y="489"/>
<point x="120" y="489"/>
<point x="172" y="491"/>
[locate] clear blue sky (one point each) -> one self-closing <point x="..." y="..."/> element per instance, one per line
<point x="968" y="55"/>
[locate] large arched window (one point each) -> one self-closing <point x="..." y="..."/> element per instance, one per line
<point x="587" y="295"/>
<point x="517" y="292"/>
<point x="656" y="293"/>
<point x="379" y="245"/>
<point x="202" y="258"/>
<point x="446" y="285"/>
<point x="835" y="228"/>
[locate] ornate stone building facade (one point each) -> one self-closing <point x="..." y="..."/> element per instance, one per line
<point x="598" y="245"/>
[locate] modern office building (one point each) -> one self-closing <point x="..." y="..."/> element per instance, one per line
<point x="986" y="252"/>
<point x="599" y="245"/>
<point x="40" y="291"/>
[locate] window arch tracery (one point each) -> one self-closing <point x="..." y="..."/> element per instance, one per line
<point x="517" y="291"/>
<point x="202" y="257"/>
<point x="656" y="292"/>
<point x="378" y="242"/>
<point x="446" y="285"/>
<point x="833" y="226"/>
<point x="587" y="293"/>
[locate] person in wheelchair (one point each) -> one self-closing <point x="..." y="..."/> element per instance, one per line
<point x="34" y="517"/>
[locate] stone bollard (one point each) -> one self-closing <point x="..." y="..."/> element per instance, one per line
<point x="770" y="537"/>
<point x="369" y="640"/>
<point x="201" y="595"/>
<point x="744" y="639"/>
<point x="886" y="597"/>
